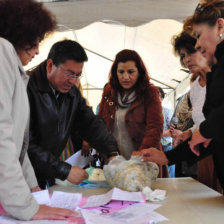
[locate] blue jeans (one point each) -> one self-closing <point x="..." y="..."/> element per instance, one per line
<point x="171" y="169"/>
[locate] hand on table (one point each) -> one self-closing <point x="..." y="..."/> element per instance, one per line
<point x="154" y="155"/>
<point x="46" y="212"/>
<point x="77" y="175"/>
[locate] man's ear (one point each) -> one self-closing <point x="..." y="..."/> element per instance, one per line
<point x="49" y="66"/>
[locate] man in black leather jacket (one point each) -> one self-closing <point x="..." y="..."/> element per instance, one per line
<point x="59" y="111"/>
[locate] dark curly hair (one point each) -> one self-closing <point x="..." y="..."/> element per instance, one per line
<point x="183" y="41"/>
<point x="24" y="22"/>
<point x="141" y="86"/>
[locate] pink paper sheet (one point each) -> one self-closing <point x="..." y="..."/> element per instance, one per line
<point x="111" y="207"/>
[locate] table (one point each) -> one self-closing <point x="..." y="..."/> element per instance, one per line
<point x="188" y="201"/>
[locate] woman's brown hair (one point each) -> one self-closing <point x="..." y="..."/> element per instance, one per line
<point x="207" y="12"/>
<point x="142" y="85"/>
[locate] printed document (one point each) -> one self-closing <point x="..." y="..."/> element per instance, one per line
<point x="133" y="214"/>
<point x="114" y="194"/>
<point x="61" y="199"/>
<point x="42" y="197"/>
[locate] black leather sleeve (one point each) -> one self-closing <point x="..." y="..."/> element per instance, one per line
<point x="47" y="165"/>
<point x="94" y="131"/>
<point x="183" y="153"/>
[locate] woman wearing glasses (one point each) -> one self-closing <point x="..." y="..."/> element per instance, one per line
<point x="131" y="107"/>
<point x="23" y="25"/>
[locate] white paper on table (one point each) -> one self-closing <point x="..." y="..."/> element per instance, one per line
<point x="61" y="199"/>
<point x="133" y="214"/>
<point x="98" y="200"/>
<point x="114" y="194"/>
<point x="91" y="217"/>
<point x="7" y="220"/>
<point x="42" y="197"/>
<point x="81" y="161"/>
<point x="139" y="213"/>
<point x="10" y="220"/>
<point x="119" y="194"/>
<point x="156" y="195"/>
<point x="156" y="218"/>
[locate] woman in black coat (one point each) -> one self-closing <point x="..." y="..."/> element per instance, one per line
<point x="207" y="26"/>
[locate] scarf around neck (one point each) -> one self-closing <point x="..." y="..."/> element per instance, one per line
<point x="125" y="100"/>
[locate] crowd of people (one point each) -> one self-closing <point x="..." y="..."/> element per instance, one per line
<point x="206" y="26"/>
<point x="43" y="110"/>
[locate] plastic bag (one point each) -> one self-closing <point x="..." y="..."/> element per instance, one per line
<point x="130" y="175"/>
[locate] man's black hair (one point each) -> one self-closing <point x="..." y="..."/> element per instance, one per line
<point x="67" y="50"/>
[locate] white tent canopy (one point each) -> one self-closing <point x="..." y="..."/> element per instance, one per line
<point x="103" y="40"/>
<point x="80" y="13"/>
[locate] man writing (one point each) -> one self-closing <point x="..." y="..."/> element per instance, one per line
<point x="59" y="111"/>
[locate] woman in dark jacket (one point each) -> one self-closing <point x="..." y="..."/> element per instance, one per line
<point x="130" y="105"/>
<point x="208" y="28"/>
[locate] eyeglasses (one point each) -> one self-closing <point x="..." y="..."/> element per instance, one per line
<point x="69" y="74"/>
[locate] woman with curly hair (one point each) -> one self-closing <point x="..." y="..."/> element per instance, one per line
<point x="197" y="65"/>
<point x="207" y="27"/>
<point x="130" y="106"/>
<point x="23" y="25"/>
